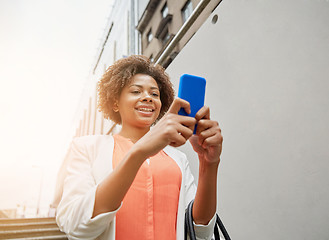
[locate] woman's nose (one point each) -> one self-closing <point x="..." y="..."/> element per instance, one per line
<point x="146" y="97"/>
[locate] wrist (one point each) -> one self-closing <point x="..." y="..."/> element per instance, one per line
<point x="208" y="167"/>
<point x="208" y="162"/>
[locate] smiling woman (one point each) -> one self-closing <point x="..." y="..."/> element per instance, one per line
<point x="134" y="184"/>
<point x="120" y="74"/>
<point x="139" y="104"/>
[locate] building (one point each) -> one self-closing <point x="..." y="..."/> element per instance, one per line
<point x="161" y="20"/>
<point x="119" y="39"/>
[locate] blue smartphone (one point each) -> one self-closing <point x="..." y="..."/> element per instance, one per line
<point x="192" y="89"/>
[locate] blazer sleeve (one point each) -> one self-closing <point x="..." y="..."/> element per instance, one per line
<point x="202" y="232"/>
<point x="74" y="212"/>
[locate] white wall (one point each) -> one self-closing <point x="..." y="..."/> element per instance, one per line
<point x="266" y="63"/>
<point x="115" y="46"/>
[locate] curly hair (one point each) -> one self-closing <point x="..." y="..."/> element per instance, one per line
<point x="118" y="75"/>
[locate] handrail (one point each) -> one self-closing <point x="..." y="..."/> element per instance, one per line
<point x="186" y="26"/>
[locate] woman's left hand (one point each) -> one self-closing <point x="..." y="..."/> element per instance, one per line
<point x="207" y="142"/>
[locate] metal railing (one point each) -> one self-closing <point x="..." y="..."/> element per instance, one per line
<point x="183" y="30"/>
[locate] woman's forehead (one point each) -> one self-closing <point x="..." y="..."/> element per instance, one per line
<point x="143" y="80"/>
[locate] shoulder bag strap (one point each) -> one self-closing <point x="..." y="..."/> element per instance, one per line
<point x="189" y="229"/>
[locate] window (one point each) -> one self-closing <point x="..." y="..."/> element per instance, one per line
<point x="164" y="11"/>
<point x="165" y="37"/>
<point x="149" y="36"/>
<point x="187" y="10"/>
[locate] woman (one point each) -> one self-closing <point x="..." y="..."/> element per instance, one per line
<point x="134" y="184"/>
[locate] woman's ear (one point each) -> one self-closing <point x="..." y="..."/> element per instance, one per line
<point x="115" y="106"/>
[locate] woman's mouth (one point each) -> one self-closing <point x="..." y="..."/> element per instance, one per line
<point x="147" y="110"/>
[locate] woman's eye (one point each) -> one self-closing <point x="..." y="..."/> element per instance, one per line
<point x="135" y="92"/>
<point x="155" y="94"/>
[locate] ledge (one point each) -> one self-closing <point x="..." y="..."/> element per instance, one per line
<point x="147" y="15"/>
<point x="162" y="25"/>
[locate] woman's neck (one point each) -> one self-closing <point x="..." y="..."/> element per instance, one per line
<point x="134" y="134"/>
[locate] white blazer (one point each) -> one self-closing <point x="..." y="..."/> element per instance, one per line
<point x="88" y="162"/>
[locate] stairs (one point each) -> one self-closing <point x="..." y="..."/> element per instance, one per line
<point x="30" y="228"/>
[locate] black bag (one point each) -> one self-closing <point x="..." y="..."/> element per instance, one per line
<point x="189" y="229"/>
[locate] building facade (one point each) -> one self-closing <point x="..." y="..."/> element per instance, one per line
<point x="161" y="20"/>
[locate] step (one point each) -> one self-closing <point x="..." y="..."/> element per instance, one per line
<point x="29" y="225"/>
<point x="11" y="234"/>
<point x="59" y="237"/>
<point x="26" y="220"/>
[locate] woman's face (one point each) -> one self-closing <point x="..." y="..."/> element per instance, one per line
<point x="139" y="104"/>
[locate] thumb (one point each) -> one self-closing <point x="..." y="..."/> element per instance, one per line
<point x="178" y="104"/>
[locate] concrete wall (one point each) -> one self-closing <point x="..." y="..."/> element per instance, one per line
<point x="266" y="63"/>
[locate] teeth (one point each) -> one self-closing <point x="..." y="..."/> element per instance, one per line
<point x="145" y="109"/>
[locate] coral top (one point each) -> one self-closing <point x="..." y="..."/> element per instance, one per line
<point x="149" y="209"/>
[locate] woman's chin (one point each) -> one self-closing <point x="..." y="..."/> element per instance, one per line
<point x="145" y="123"/>
<point x="146" y="118"/>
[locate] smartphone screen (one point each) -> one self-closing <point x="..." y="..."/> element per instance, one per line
<point x="192" y="89"/>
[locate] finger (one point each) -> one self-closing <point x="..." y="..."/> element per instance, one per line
<point x="203" y="113"/>
<point x="207" y="129"/>
<point x="204" y="124"/>
<point x="188" y="122"/>
<point x="177" y="140"/>
<point x="178" y="104"/>
<point x="182" y="120"/>
<point x="185" y="131"/>
<point x="215" y="140"/>
<point x="182" y="125"/>
<point x="205" y="135"/>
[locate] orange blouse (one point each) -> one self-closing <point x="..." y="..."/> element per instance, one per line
<point x="149" y="209"/>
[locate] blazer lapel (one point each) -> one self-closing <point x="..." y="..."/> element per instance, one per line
<point x="102" y="164"/>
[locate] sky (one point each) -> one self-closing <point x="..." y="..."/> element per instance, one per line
<point x="47" y="50"/>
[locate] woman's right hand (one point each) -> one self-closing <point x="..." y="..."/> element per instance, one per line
<point x="172" y="129"/>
